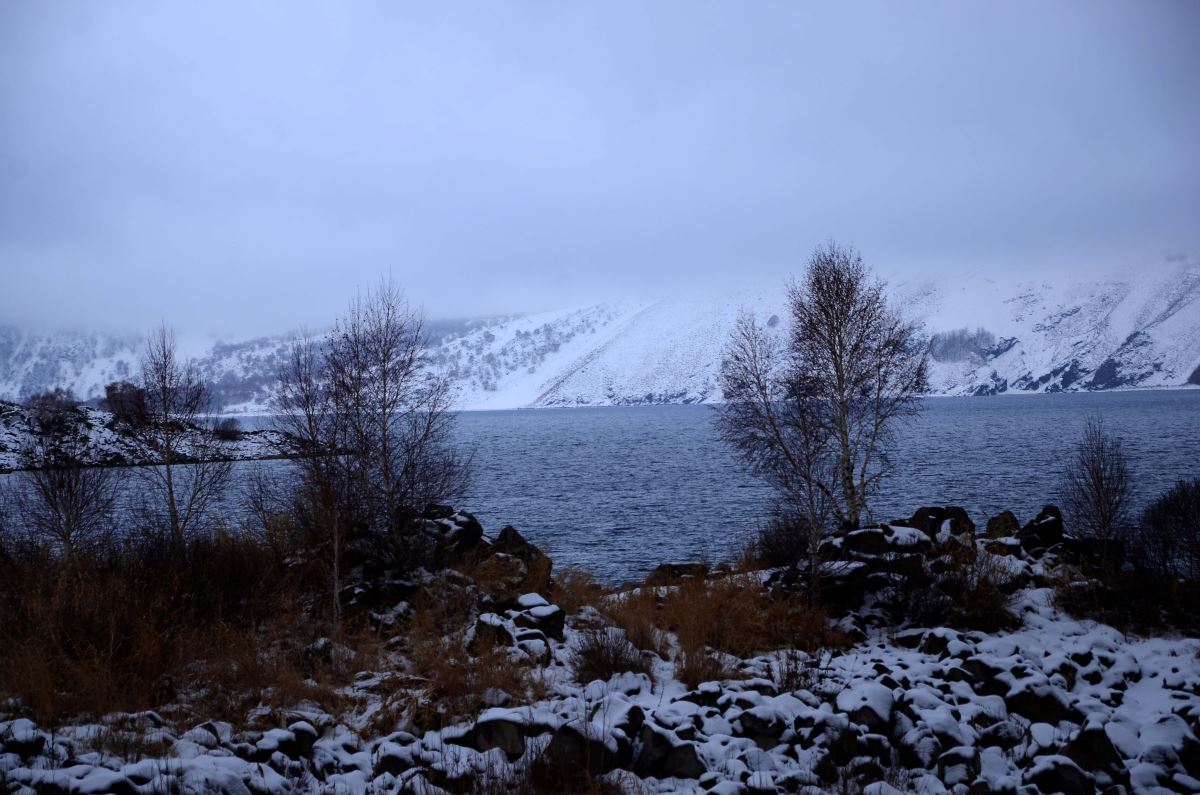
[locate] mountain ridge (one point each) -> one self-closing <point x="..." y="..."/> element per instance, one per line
<point x="994" y="336"/>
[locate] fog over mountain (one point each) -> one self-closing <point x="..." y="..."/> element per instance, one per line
<point x="243" y="169"/>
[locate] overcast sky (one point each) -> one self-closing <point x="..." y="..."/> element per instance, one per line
<point x="242" y="167"/>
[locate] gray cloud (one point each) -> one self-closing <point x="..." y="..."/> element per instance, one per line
<point x="242" y="167"/>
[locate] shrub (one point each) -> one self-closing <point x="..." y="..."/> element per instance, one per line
<point x="1096" y="489"/>
<point x="968" y="593"/>
<point x="637" y="613"/>
<point x="714" y="617"/>
<point x="127" y="403"/>
<point x="603" y="653"/>
<point x="575" y="588"/>
<point x="457" y="680"/>
<point x="1163" y="583"/>
<point x="51" y="411"/>
<point x="975" y="586"/>
<point x="1168" y="544"/>
<point x="736" y="616"/>
<point x="783" y="541"/>
<point x="227" y="429"/>
<point x="114" y="627"/>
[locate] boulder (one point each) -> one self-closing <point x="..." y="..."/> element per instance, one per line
<point x="1172" y="733"/>
<point x="989" y="677"/>
<point x="1044" y="532"/>
<point x="959" y="765"/>
<point x="929" y="519"/>
<point x="507" y="735"/>
<point x="546" y="618"/>
<point x="960" y="522"/>
<point x="1058" y="774"/>
<point x="1003" y="546"/>
<point x="501" y="577"/>
<point x="868" y="704"/>
<point x="667" y="573"/>
<point x="537" y="564"/>
<point x="21" y="737"/>
<point x="1003" y="525"/>
<point x="868" y="541"/>
<point x="1004" y="735"/>
<point x="664" y="755"/>
<point x="575" y="750"/>
<point x="1040" y="704"/>
<point x="1093" y="751"/>
<point x="919" y="747"/>
<point x="763" y="726"/>
<point x="490" y="629"/>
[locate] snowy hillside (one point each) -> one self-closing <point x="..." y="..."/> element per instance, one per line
<point x="991" y="336"/>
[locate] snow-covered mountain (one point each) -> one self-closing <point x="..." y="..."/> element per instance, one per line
<point x="991" y="335"/>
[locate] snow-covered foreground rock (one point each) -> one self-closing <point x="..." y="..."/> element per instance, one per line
<point x="1059" y="705"/>
<point x="1053" y="705"/>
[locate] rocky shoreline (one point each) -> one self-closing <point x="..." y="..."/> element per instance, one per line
<point x="1043" y="703"/>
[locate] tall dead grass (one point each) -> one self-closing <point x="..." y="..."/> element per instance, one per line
<point x="456" y="683"/>
<point x="138" y="625"/>
<point x="710" y="618"/>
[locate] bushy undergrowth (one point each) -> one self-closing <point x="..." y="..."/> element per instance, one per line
<point x="605" y="652"/>
<point x="1158" y="586"/>
<point x="711" y="618"/>
<point x="456" y="678"/>
<point x="130" y="625"/>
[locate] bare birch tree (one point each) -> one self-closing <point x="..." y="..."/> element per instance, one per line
<point x="63" y="501"/>
<point x="1095" y="489"/>
<point x="369" y="426"/>
<point x="176" y="400"/>
<point x="778" y="440"/>
<point x="816" y="416"/>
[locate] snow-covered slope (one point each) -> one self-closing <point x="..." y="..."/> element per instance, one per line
<point x="1130" y="330"/>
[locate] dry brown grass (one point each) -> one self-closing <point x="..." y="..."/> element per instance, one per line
<point x="974" y="585"/>
<point x="453" y="680"/>
<point x="639" y="613"/>
<point x="735" y="615"/>
<point x="711" y="617"/>
<point x="575" y="588"/>
<point x="216" y="624"/>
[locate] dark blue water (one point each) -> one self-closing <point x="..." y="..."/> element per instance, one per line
<point x="619" y="490"/>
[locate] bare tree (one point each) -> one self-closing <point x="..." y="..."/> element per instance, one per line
<point x="309" y="417"/>
<point x="369" y="426"/>
<point x="175" y="401"/>
<point x="815" y="417"/>
<point x="779" y="442"/>
<point x="1095" y="490"/>
<point x="393" y="410"/>
<point x="63" y="501"/>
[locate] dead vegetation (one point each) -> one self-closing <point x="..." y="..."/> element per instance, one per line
<point x="714" y="620"/>
<point x="456" y="679"/>
<point x="130" y="628"/>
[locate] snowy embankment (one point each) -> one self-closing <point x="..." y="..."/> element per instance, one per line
<point x="94" y="438"/>
<point x="1053" y="705"/>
